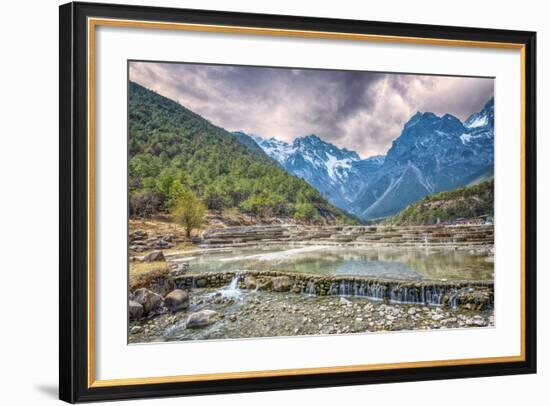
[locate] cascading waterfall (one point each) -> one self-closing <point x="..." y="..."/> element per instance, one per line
<point x="453" y="301"/>
<point x="234" y="285"/>
<point x="344" y="288"/>
<point x="369" y="290"/>
<point x="434" y="295"/>
<point x="375" y="291"/>
<point x="421" y="295"/>
<point x="233" y="289"/>
<point x="452" y="295"/>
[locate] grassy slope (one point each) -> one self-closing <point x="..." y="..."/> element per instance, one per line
<point x="467" y="202"/>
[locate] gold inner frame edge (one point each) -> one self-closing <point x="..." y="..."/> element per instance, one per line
<point x="94" y="22"/>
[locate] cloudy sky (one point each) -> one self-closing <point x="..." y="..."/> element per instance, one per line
<point x="361" y="111"/>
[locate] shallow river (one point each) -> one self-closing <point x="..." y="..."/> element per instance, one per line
<point x="407" y="263"/>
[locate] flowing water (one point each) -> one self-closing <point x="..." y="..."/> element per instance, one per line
<point x="349" y="306"/>
<point x="405" y="264"/>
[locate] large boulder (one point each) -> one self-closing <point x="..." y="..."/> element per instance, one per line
<point x="202" y="318"/>
<point x="266" y="285"/>
<point x="149" y="300"/>
<point x="250" y="282"/>
<point x="135" y="310"/>
<point x="281" y="284"/>
<point x="154" y="256"/>
<point x="177" y="300"/>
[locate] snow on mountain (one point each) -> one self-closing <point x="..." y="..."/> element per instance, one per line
<point x="483" y="118"/>
<point x="336" y="172"/>
<point x="432" y="154"/>
<point x="478" y="122"/>
<point x="278" y="150"/>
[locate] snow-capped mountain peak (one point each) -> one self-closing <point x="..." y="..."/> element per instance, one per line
<point x="336" y="172"/>
<point x="275" y="149"/>
<point x="432" y="154"/>
<point x="483" y="118"/>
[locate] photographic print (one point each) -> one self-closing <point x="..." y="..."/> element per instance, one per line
<point x="269" y="202"/>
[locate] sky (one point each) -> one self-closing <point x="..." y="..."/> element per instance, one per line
<point x="360" y="111"/>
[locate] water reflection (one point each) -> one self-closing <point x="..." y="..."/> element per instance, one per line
<point x="410" y="263"/>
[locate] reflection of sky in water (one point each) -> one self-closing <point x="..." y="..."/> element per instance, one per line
<point x="389" y="263"/>
<point x="384" y="269"/>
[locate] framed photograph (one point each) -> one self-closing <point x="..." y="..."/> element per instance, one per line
<point x="257" y="202"/>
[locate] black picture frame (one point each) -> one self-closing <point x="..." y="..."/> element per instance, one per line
<point x="74" y="385"/>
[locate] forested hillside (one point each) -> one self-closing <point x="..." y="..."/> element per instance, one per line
<point x="467" y="202"/>
<point x="173" y="151"/>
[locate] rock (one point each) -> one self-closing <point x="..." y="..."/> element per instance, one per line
<point x="201" y="283"/>
<point x="437" y="317"/>
<point x="202" y="318"/>
<point x="411" y="311"/>
<point x="281" y="284"/>
<point x="479" y="321"/>
<point x="179" y="269"/>
<point x="135" y="310"/>
<point x="154" y="256"/>
<point x="268" y="285"/>
<point x="177" y="300"/>
<point x="164" y="244"/>
<point x="135" y="329"/>
<point x="138" y="235"/>
<point x="149" y="300"/>
<point x="232" y="318"/>
<point x="344" y="301"/>
<point x="250" y="282"/>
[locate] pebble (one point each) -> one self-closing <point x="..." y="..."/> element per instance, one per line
<point x="271" y="316"/>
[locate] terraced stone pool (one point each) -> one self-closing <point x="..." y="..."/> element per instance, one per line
<point x="418" y="263"/>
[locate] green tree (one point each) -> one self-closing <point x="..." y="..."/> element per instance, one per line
<point x="169" y="144"/>
<point x="174" y="193"/>
<point x="305" y="212"/>
<point x="216" y="198"/>
<point x="255" y="204"/>
<point x="189" y="212"/>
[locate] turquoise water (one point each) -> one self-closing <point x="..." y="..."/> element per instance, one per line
<point x="406" y="264"/>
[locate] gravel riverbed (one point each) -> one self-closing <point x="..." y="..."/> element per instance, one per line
<point x="247" y="314"/>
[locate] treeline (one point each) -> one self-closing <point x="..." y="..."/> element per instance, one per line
<point x="174" y="151"/>
<point x="466" y="202"/>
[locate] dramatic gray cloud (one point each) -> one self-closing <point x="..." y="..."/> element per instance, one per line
<point x="361" y="111"/>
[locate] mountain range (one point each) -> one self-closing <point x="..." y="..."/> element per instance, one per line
<point x="432" y="154"/>
<point x="336" y="173"/>
<point x="173" y="150"/>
